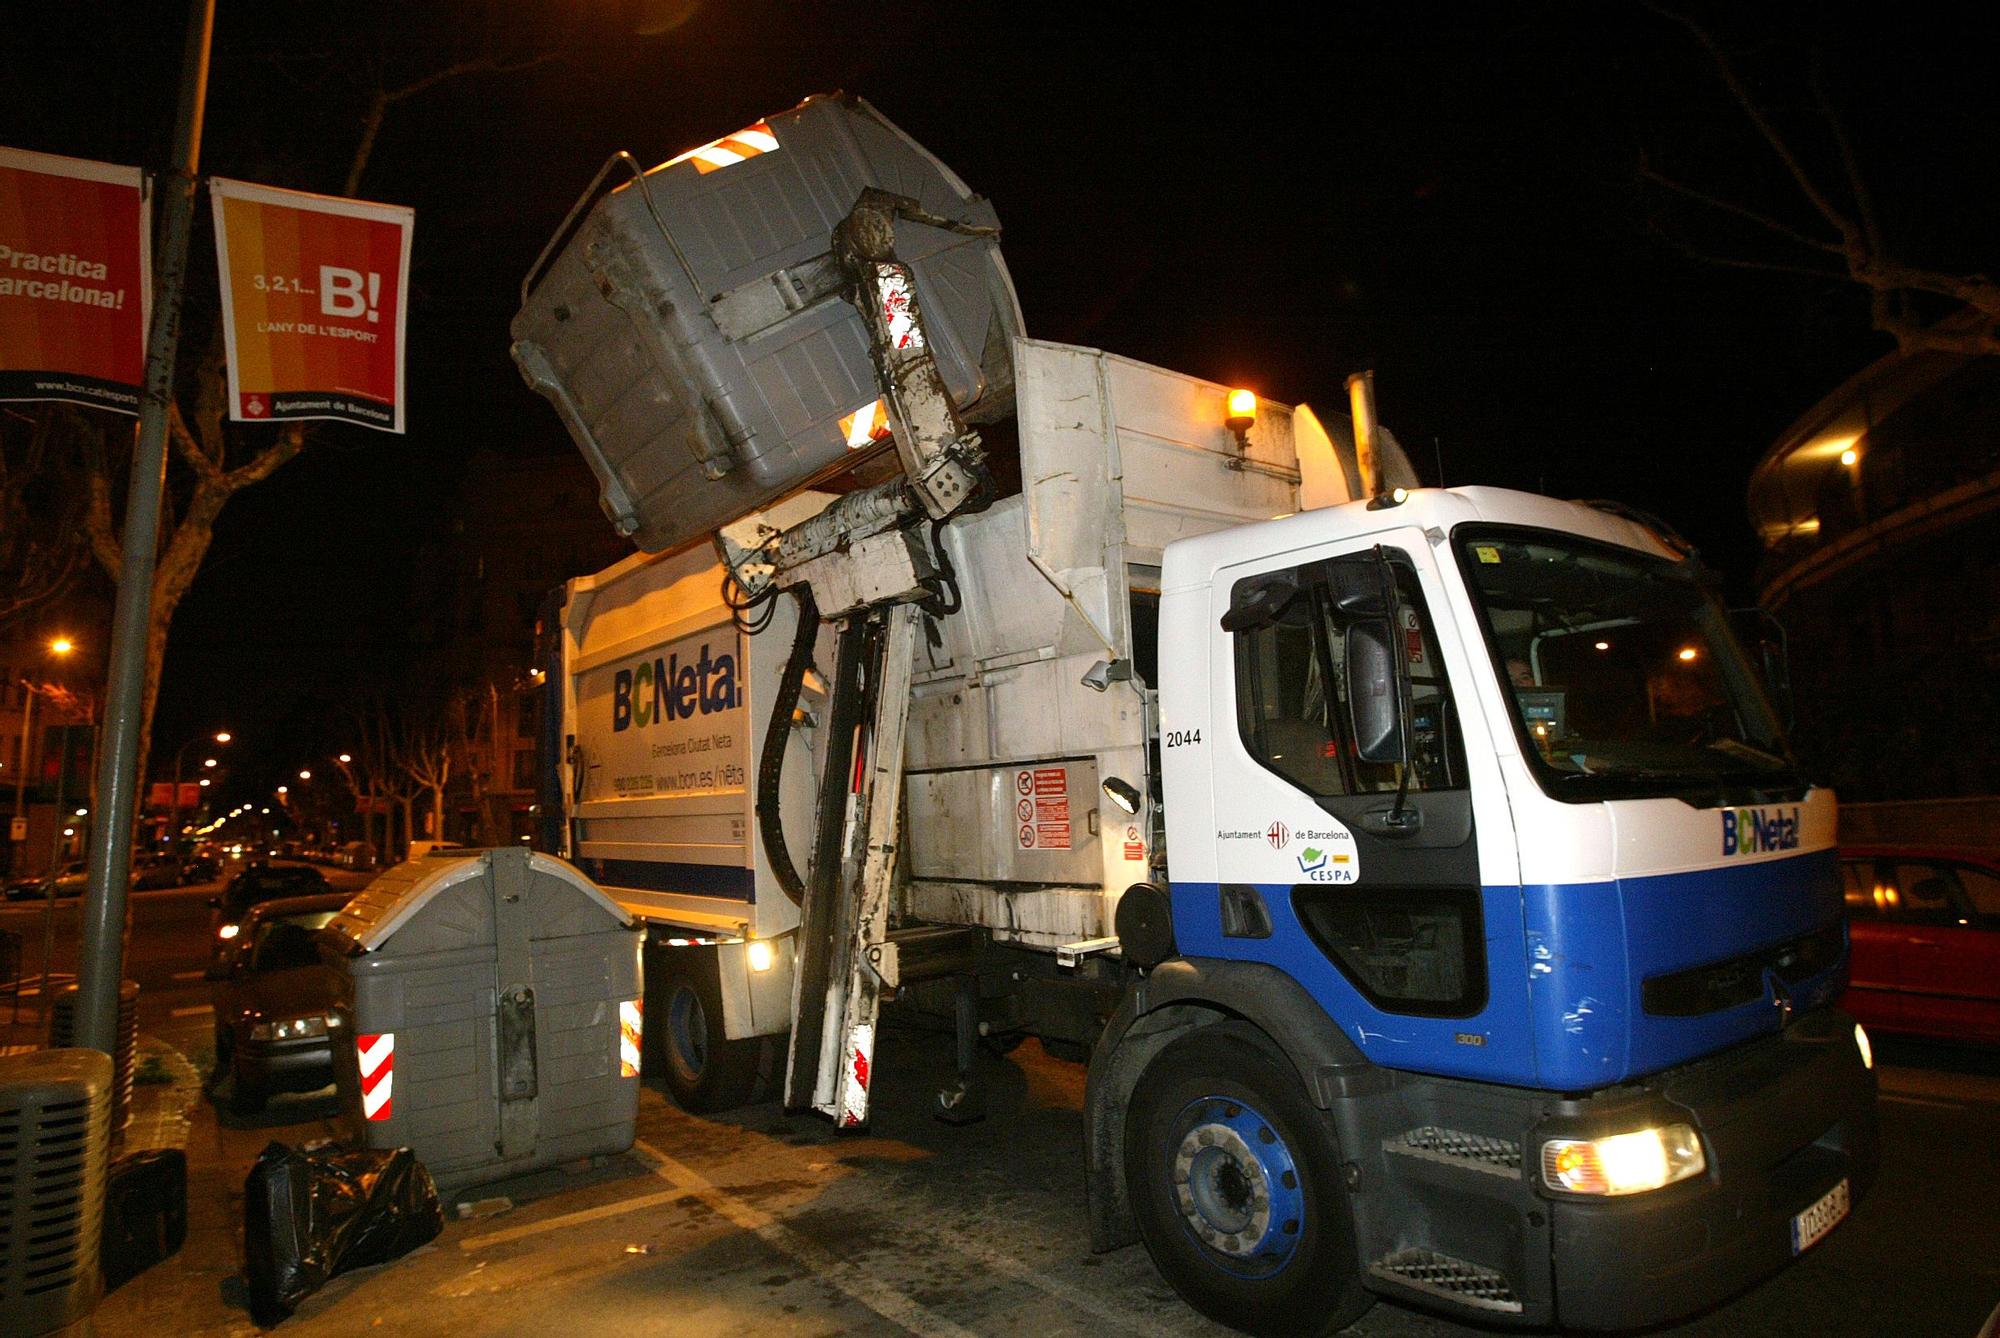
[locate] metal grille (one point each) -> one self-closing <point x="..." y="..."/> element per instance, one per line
<point x="1453" y="1279"/>
<point x="41" y="1200"/>
<point x="55" y="1108"/>
<point x="1458" y="1146"/>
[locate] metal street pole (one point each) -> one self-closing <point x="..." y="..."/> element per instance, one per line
<point x="20" y="843"/>
<point x="55" y="871"/>
<point x="101" y="965"/>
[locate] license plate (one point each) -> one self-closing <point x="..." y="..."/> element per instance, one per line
<point x="1822" y="1217"/>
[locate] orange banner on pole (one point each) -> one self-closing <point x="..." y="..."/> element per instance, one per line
<point x="314" y="293"/>
<point x="75" y="279"/>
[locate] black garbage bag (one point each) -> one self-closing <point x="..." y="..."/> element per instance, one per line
<point x="310" y="1215"/>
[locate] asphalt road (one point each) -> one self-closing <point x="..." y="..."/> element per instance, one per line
<point x="759" y="1222"/>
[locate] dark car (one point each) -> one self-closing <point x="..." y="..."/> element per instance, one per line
<point x="273" y="1010"/>
<point x="255" y="885"/>
<point x="70" y="882"/>
<point x="25" y="889"/>
<point x="200" y="869"/>
<point x="1924" y="922"/>
<point x="155" y="871"/>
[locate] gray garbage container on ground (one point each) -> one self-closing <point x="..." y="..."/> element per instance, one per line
<point x="486" y="1014"/>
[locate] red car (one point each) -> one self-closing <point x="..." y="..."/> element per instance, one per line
<point x="1925" y="928"/>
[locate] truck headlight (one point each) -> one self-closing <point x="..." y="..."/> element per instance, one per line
<point x="1623" y="1163"/>
<point x="289" y="1028"/>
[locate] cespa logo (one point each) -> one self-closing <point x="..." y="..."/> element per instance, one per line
<point x="665" y="689"/>
<point x="1752" y="831"/>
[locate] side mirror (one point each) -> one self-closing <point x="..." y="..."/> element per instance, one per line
<point x="1373" y="698"/>
<point x="1259" y="601"/>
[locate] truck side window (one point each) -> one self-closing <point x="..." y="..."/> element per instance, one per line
<point x="1291" y="691"/>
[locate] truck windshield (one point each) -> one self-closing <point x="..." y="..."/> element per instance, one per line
<point x="1624" y="676"/>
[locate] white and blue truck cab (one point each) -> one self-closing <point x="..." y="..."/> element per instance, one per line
<point x="1481" y="828"/>
<point x="1422" y="873"/>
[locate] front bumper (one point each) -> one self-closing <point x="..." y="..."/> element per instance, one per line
<point x="303" y="1065"/>
<point x="1783" y="1122"/>
<point x="1452" y="1213"/>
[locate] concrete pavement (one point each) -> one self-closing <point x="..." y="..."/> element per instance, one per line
<point x="762" y="1223"/>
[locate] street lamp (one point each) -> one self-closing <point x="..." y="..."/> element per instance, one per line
<point x="180" y="754"/>
<point x="18" y="834"/>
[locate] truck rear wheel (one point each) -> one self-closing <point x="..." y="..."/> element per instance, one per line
<point x="704" y="1070"/>
<point x="1235" y="1183"/>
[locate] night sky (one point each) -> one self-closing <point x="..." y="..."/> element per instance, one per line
<point x="1447" y="193"/>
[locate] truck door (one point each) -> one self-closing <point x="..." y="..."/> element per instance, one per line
<point x="1362" y="878"/>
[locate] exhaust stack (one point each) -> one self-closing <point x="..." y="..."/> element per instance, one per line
<point x="1361" y="395"/>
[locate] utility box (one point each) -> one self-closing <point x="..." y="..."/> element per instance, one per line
<point x="691" y="327"/>
<point x="55" y="1149"/>
<point x="486" y="1014"/>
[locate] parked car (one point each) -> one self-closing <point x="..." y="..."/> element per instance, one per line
<point x="153" y="871"/>
<point x="255" y="885"/>
<point x="1924" y="923"/>
<point x="31" y="888"/>
<point x="200" y="868"/>
<point x="273" y="1011"/>
<point x="69" y="882"/>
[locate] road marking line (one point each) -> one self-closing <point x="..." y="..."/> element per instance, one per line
<point x="578" y="1218"/>
<point x="192" y="1012"/>
<point x="1921" y="1101"/>
<point x="849" y="1279"/>
<point x="189" y="975"/>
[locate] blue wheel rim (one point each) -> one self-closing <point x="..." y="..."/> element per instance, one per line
<point x="687" y="1032"/>
<point x="1236" y="1186"/>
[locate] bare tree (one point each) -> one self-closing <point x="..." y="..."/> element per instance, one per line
<point x="426" y="752"/>
<point x="1840" y="235"/>
<point x="41" y="548"/>
<point x="211" y="460"/>
<point x="474" y="721"/>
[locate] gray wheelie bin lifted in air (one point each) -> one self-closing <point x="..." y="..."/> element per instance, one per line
<point x="487" y="1014"/>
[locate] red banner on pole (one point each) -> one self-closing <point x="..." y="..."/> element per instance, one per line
<point x="314" y="291"/>
<point x="75" y="280"/>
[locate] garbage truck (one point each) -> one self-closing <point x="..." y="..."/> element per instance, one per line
<point x="1422" y="873"/>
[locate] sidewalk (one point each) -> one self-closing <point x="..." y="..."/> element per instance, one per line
<point x="198" y="1290"/>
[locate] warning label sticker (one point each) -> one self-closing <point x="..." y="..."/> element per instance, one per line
<point x="1043" y="808"/>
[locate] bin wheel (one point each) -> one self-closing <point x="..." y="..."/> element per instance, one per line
<point x="705" y="1071"/>
<point x="1236" y="1186"/>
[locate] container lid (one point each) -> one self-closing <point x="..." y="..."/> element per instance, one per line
<point x="401" y="897"/>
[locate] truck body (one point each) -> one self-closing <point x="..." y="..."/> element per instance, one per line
<point x="1421" y="872"/>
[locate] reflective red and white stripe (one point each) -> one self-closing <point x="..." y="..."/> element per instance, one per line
<point x="865" y="425"/>
<point x="854" y="1077"/>
<point x="898" y="310"/>
<point x="630" y="1017"/>
<point x="376" y="1057"/>
<point x="730" y="149"/>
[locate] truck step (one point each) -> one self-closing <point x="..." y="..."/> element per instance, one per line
<point x="1448" y="1279"/>
<point x="1477" y="1152"/>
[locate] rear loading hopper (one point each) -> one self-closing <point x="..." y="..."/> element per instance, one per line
<point x="692" y="328"/>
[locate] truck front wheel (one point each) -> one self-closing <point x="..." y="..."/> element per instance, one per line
<point x="704" y="1070"/>
<point x="1235" y="1183"/>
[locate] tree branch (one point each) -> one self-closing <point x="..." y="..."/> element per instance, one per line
<point x="266" y="462"/>
<point x="1764" y="221"/>
<point x="385" y="98"/>
<point x="1850" y="235"/>
<point x="185" y="446"/>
